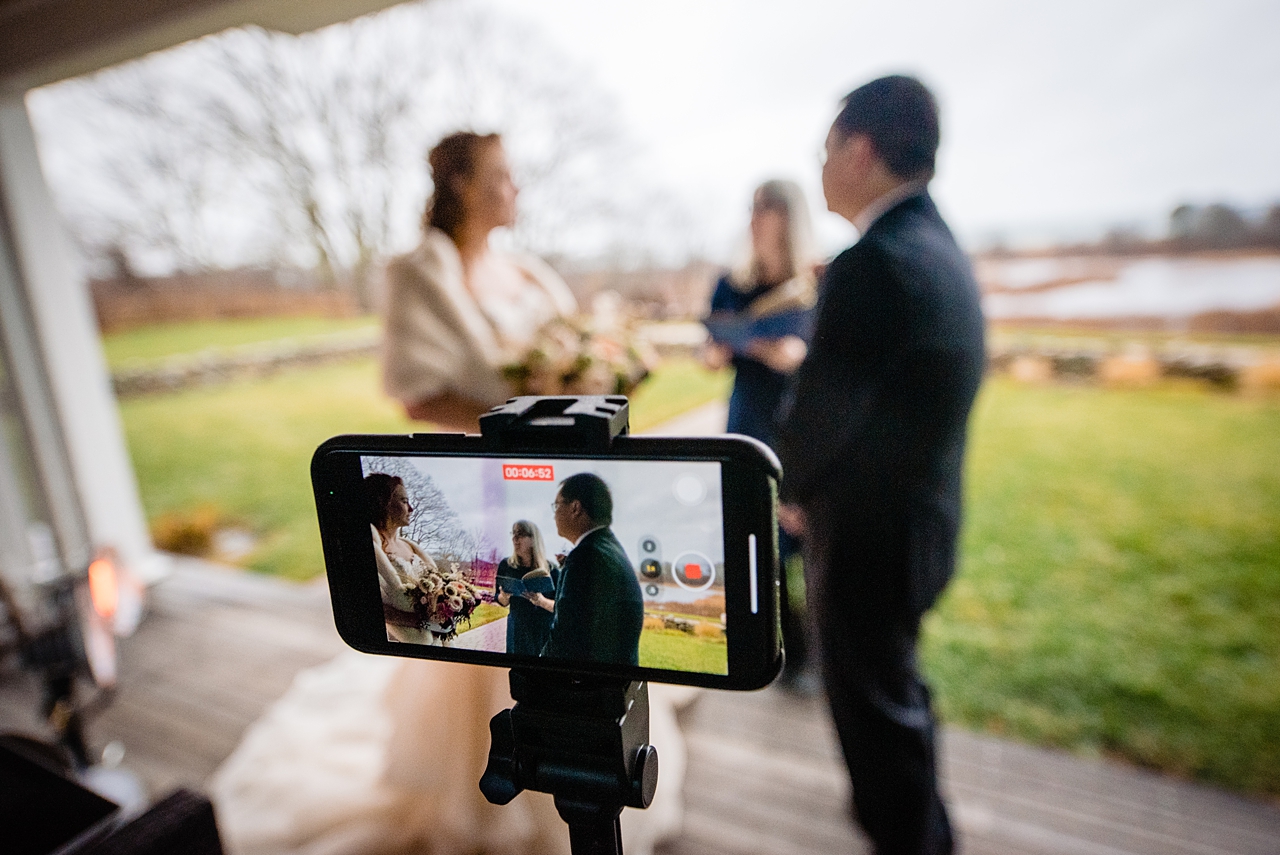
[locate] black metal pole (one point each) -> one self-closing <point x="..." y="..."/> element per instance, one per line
<point x="596" y="838"/>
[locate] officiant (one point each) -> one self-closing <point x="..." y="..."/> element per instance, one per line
<point x="761" y="320"/>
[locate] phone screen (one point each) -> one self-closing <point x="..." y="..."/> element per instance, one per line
<point x="488" y="555"/>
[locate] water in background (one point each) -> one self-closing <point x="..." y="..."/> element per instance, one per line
<point x="1092" y="288"/>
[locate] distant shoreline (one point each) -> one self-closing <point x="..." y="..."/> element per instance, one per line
<point x="1160" y="250"/>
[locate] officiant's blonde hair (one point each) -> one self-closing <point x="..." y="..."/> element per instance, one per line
<point x="539" y="549"/>
<point x="787" y="198"/>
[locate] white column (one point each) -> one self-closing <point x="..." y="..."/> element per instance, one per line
<point x="51" y="276"/>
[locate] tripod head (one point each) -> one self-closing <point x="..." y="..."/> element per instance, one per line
<point x="583" y="741"/>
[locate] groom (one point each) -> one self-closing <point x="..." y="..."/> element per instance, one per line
<point x="873" y="448"/>
<point x="599" y="610"/>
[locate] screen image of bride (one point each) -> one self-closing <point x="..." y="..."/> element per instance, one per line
<point x="421" y="603"/>
<point x="382" y="756"/>
<point x="400" y="561"/>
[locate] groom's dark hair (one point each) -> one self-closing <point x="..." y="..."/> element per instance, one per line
<point x="591" y="490"/>
<point x="900" y="117"/>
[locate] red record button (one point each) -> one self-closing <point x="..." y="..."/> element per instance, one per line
<point x="694" y="571"/>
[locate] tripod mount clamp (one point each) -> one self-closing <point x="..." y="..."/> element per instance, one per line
<point x="567" y="422"/>
<point x="585" y="740"/>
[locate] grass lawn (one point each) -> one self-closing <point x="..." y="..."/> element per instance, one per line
<point x="673" y="649"/>
<point x="239" y="454"/>
<point x="1120" y="582"/>
<point x="146" y="344"/>
<point x="676" y="387"/>
<point x="484" y="613"/>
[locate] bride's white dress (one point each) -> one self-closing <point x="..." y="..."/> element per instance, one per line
<point x="370" y="755"/>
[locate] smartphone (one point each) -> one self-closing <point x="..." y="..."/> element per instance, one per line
<point x="655" y="559"/>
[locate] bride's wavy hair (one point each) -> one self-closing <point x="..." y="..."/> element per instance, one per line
<point x="539" y="549"/>
<point x="378" y="488"/>
<point x="451" y="161"/>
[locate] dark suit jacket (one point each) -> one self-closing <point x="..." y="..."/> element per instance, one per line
<point x="599" y="609"/>
<point x="873" y="442"/>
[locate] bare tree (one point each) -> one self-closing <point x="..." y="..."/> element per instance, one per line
<point x="315" y="121"/>
<point x="128" y="171"/>
<point x="252" y="147"/>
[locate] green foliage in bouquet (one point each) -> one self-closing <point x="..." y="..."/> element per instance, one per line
<point x="573" y="356"/>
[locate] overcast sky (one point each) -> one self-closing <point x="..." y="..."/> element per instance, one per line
<point x="1058" y="118"/>
<point x="678" y="503"/>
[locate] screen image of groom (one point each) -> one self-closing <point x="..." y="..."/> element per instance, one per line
<point x="599" y="610"/>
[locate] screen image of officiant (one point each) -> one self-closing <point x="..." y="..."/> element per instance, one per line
<point x="599" y="611"/>
<point x="526" y="586"/>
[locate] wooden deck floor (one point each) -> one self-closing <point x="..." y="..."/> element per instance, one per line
<point x="765" y="777"/>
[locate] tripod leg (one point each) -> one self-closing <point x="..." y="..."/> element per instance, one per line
<point x="596" y="838"/>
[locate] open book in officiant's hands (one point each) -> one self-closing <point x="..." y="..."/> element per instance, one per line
<point x="780" y="312"/>
<point x="523" y="587"/>
<point x="738" y="330"/>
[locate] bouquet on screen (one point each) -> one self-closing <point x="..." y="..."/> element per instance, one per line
<point x="574" y="356"/>
<point x="443" y="599"/>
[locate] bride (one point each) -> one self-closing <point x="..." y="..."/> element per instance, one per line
<point x="456" y="310"/>
<point x="379" y="756"/>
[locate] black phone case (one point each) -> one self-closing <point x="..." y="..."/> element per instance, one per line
<point x="750" y="474"/>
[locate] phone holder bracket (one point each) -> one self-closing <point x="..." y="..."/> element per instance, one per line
<point x="583" y="740"/>
<point x="578" y="422"/>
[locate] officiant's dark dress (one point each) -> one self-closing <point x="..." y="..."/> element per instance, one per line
<point x="528" y="626"/>
<point x="758" y="390"/>
<point x="599" y="608"/>
<point x="755" y="406"/>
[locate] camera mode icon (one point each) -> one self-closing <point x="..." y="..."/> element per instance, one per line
<point x="650" y="569"/>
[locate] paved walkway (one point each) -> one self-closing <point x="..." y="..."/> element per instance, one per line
<point x="492" y="637"/>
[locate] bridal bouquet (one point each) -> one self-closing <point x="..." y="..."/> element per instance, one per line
<point x="570" y="356"/>
<point x="444" y="598"/>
